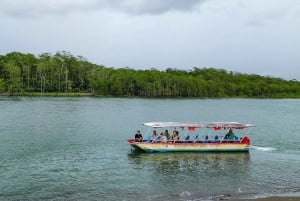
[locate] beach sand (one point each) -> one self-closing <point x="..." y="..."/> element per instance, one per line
<point x="271" y="199"/>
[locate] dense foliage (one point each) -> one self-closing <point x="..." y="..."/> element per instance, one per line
<point x="22" y="74"/>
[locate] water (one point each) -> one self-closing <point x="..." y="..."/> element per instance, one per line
<point x="75" y="149"/>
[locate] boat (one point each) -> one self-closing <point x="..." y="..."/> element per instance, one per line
<point x="194" y="137"/>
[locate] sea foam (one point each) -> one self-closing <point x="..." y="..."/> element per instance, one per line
<point x="263" y="148"/>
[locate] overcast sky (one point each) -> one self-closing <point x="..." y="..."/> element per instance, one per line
<point x="247" y="36"/>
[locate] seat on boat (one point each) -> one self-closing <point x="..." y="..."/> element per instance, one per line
<point x="196" y="139"/>
<point x="155" y="139"/>
<point x="186" y="139"/>
<point x="206" y="138"/>
<point x="149" y="138"/>
<point x="216" y="139"/>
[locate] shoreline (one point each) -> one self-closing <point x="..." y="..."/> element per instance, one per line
<point x="79" y="94"/>
<point x="50" y="94"/>
<point x="272" y="198"/>
<point x="279" y="197"/>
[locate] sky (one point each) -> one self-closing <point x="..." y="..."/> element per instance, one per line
<point x="247" y="36"/>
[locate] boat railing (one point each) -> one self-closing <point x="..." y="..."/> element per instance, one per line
<point x="206" y="140"/>
<point x="198" y="138"/>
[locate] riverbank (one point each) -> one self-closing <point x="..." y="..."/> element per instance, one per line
<point x="78" y="94"/>
<point x="37" y="94"/>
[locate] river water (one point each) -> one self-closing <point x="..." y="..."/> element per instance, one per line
<point x="76" y="149"/>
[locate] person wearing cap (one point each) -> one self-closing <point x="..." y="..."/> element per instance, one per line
<point x="138" y="136"/>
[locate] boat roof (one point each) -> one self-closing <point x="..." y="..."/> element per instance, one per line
<point x="235" y="125"/>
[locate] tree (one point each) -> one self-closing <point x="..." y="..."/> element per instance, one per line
<point x="13" y="80"/>
<point x="63" y="72"/>
<point x="2" y="86"/>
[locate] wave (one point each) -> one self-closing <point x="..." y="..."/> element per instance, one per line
<point x="185" y="193"/>
<point x="263" y="148"/>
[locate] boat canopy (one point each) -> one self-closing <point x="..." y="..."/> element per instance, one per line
<point x="213" y="125"/>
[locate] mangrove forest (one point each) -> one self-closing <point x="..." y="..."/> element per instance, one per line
<point x="64" y="73"/>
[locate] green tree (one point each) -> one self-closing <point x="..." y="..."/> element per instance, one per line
<point x="13" y="81"/>
<point x="2" y="86"/>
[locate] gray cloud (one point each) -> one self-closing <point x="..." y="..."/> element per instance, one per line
<point x="267" y="16"/>
<point x="170" y="33"/>
<point x="155" y="6"/>
<point x="38" y="8"/>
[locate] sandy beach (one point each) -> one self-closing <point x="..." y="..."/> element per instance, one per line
<point x="271" y="199"/>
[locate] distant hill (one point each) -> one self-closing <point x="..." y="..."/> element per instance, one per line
<point x="63" y="73"/>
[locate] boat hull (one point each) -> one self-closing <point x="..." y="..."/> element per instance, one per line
<point x="190" y="147"/>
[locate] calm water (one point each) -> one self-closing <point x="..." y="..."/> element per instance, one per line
<point x="75" y="149"/>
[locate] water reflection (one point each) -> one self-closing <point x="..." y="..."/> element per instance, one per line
<point x="173" y="163"/>
<point x="140" y="157"/>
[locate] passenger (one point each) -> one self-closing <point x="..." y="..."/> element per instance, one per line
<point x="230" y="135"/>
<point x="175" y="136"/>
<point x="163" y="137"/>
<point x="167" y="134"/>
<point x="160" y="136"/>
<point x="154" y="135"/>
<point x="138" y="136"/>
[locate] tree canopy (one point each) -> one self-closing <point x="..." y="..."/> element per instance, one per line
<point x="22" y="74"/>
